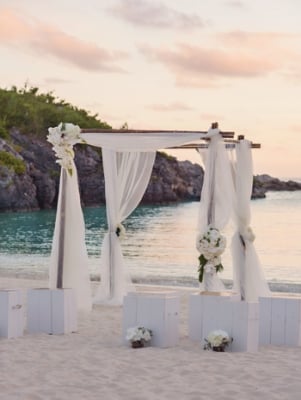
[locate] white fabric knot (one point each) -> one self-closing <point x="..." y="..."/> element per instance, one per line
<point x="248" y="234"/>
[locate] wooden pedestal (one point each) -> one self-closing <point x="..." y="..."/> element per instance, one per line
<point x="225" y="311"/>
<point x="11" y="313"/>
<point x="51" y="311"/>
<point x="280" y="321"/>
<point x="158" y="311"/>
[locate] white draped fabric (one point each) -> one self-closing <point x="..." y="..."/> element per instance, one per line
<point x="151" y="141"/>
<point x="128" y="160"/>
<point x="126" y="178"/>
<point x="217" y="192"/>
<point x="248" y="277"/>
<point x="216" y="197"/>
<point x="75" y="258"/>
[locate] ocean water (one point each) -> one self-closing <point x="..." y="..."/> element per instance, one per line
<point x="159" y="246"/>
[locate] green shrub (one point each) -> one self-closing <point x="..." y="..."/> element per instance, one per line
<point x="33" y="113"/>
<point x="12" y="162"/>
<point x="3" y="131"/>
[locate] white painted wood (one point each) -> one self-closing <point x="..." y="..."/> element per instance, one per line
<point x="11" y="313"/>
<point x="225" y="311"/>
<point x="209" y="311"/>
<point x="156" y="311"/>
<point x="278" y="321"/>
<point x="265" y="320"/>
<point x="245" y="326"/>
<point x="292" y="322"/>
<point x="281" y="317"/>
<point x="52" y="311"/>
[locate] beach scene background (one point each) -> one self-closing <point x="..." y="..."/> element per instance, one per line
<point x="159" y="246"/>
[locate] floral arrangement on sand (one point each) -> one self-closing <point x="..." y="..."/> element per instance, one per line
<point x="210" y="245"/>
<point x="63" y="137"/>
<point x="217" y="341"/>
<point x="138" y="336"/>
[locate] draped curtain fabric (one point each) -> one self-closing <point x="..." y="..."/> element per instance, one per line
<point x="128" y="160"/>
<point x="217" y="192"/>
<point x="248" y="277"/>
<point x="75" y="258"/>
<point x="126" y="178"/>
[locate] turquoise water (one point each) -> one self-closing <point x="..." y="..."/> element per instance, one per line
<point x="160" y="241"/>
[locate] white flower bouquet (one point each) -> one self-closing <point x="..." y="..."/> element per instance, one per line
<point x="138" y="336"/>
<point x="217" y="341"/>
<point x="63" y="137"/>
<point x="210" y="245"/>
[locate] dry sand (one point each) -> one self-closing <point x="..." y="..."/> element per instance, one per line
<point x="94" y="364"/>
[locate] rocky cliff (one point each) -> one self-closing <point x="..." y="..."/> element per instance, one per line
<point x="29" y="177"/>
<point x="36" y="185"/>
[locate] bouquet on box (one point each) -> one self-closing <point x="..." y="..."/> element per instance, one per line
<point x="210" y="245"/>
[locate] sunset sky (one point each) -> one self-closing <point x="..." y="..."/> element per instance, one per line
<point x="167" y="64"/>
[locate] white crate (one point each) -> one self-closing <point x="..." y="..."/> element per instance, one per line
<point x="210" y="311"/>
<point x="280" y="321"/>
<point x="11" y="313"/>
<point x="156" y="311"/>
<point x="51" y="311"/>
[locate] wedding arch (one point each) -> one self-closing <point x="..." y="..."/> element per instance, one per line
<point x="128" y="158"/>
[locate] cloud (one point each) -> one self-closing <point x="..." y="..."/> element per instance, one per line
<point x="234" y="55"/>
<point x="235" y="3"/>
<point x="154" y="14"/>
<point x="175" y="106"/>
<point x="34" y="36"/>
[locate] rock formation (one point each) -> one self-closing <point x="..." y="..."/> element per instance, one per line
<point x="36" y="187"/>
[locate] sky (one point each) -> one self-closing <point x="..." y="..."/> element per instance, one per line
<point x="167" y="64"/>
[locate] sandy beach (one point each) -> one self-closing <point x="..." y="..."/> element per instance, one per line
<point x="93" y="363"/>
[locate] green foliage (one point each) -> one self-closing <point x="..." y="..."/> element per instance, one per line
<point x="3" y="131"/>
<point x="10" y="161"/>
<point x="33" y="113"/>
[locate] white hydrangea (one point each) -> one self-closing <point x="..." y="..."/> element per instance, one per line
<point x="63" y="137"/>
<point x="217" y="338"/>
<point x="138" y="333"/>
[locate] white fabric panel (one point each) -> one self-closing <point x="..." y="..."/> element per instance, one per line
<point x="216" y="197"/>
<point x="126" y="178"/>
<point x="248" y="277"/>
<point x="75" y="261"/>
<point x="139" y="141"/>
<point x="217" y="192"/>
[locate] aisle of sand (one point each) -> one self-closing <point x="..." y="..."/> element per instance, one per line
<point x="94" y="364"/>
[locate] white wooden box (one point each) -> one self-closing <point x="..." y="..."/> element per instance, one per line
<point x="51" y="311"/>
<point x="210" y="311"/>
<point x="11" y="313"/>
<point x="280" y="321"/>
<point x="158" y="311"/>
<point x="245" y="328"/>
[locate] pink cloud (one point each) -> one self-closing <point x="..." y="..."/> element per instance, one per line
<point x="154" y="14"/>
<point x="235" y="55"/>
<point x="44" y="39"/>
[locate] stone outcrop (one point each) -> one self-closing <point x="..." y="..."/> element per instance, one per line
<point x="268" y="183"/>
<point x="37" y="187"/>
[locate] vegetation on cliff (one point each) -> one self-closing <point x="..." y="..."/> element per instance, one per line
<point x="33" y="113"/>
